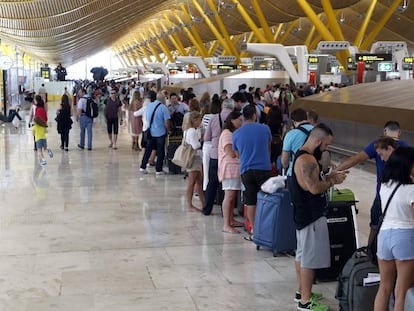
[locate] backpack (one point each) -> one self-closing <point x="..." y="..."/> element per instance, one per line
<point x="350" y="292"/>
<point x="92" y="109"/>
<point x="304" y="131"/>
<point x="263" y="115"/>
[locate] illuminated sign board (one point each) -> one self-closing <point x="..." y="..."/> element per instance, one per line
<point x="313" y="59"/>
<point x="45" y="72"/>
<point x="408" y="60"/>
<point x="371" y="58"/>
<point x="385" y="67"/>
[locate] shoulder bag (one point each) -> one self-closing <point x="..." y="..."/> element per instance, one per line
<point x="184" y="155"/>
<point x="147" y="133"/>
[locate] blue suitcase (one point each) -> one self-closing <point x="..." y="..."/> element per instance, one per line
<point x="274" y="227"/>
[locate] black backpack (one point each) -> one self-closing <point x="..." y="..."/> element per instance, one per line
<point x="92" y="109"/>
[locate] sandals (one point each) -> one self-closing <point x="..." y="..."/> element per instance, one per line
<point x="248" y="238"/>
<point x="236" y="223"/>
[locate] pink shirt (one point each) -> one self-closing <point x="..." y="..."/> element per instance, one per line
<point x="228" y="167"/>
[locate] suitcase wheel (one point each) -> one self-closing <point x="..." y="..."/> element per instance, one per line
<point x="257" y="247"/>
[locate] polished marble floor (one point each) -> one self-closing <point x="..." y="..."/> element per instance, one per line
<point x="89" y="232"/>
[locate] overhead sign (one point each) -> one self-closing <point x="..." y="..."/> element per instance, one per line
<point x="408" y="63"/>
<point x="45" y="72"/>
<point x="408" y="60"/>
<point x="313" y="59"/>
<point x="350" y="64"/>
<point x="372" y="58"/>
<point x="385" y="67"/>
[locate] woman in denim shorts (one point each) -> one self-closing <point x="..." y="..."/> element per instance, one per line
<point x="396" y="238"/>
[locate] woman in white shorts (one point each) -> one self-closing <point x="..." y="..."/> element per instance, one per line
<point x="195" y="178"/>
<point x="396" y="237"/>
<point x="229" y="169"/>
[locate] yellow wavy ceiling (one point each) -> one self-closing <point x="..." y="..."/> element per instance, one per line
<point x="67" y="31"/>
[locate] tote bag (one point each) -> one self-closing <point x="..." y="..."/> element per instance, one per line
<point x="184" y="155"/>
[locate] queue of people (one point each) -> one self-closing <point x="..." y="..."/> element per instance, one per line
<point x="250" y="136"/>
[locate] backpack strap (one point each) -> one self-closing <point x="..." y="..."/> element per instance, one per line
<point x="303" y="130"/>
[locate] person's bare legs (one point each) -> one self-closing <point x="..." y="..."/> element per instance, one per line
<point x="110" y="140"/>
<point x="387" y="276"/>
<point x="306" y="281"/>
<point x="152" y="157"/>
<point x="198" y="187"/>
<point x="228" y="206"/>
<point x="192" y="175"/>
<point x="40" y="153"/>
<point x="297" y="268"/>
<point x="114" y="140"/>
<point x="405" y="280"/>
<point x="251" y="212"/>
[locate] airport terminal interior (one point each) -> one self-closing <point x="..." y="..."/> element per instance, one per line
<point x="89" y="231"/>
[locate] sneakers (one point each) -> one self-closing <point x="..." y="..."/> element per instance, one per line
<point x="312" y="305"/>
<point x="314" y="296"/>
<point x="143" y="170"/>
<point x="80" y="147"/>
<point x="50" y="153"/>
<point x="43" y="162"/>
<point x="159" y="173"/>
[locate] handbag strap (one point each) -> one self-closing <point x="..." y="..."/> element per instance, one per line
<point x="376" y="232"/>
<point x="220" y="121"/>
<point x="388" y="203"/>
<point x="152" y="116"/>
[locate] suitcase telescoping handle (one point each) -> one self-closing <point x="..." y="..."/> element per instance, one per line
<point x="354" y="218"/>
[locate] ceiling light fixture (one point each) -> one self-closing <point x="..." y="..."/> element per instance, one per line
<point x="342" y="18"/>
<point x="402" y="8"/>
<point x="227" y="5"/>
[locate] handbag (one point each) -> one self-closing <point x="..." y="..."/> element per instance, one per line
<point x="184" y="155"/>
<point x="372" y="247"/>
<point x="146" y="135"/>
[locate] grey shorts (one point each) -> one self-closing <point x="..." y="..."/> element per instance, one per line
<point x="313" y="248"/>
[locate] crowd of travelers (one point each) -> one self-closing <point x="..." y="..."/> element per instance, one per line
<point x="239" y="141"/>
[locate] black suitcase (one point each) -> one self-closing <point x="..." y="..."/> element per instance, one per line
<point x="341" y="218"/>
<point x="173" y="143"/>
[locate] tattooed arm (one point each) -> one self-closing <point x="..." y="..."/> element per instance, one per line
<point x="307" y="173"/>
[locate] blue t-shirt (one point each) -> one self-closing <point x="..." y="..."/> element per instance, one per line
<point x="158" y="128"/>
<point x="372" y="154"/>
<point x="293" y="141"/>
<point x="252" y="143"/>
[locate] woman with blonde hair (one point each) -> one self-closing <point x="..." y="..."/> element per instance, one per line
<point x="135" y="123"/>
<point x="195" y="180"/>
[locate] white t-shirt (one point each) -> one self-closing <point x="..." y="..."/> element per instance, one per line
<point x="400" y="213"/>
<point x="192" y="137"/>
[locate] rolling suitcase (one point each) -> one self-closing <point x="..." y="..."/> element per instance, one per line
<point x="274" y="226"/>
<point x="343" y="232"/>
<point x="173" y="143"/>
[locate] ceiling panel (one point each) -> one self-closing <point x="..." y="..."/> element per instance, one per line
<point x="70" y="30"/>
